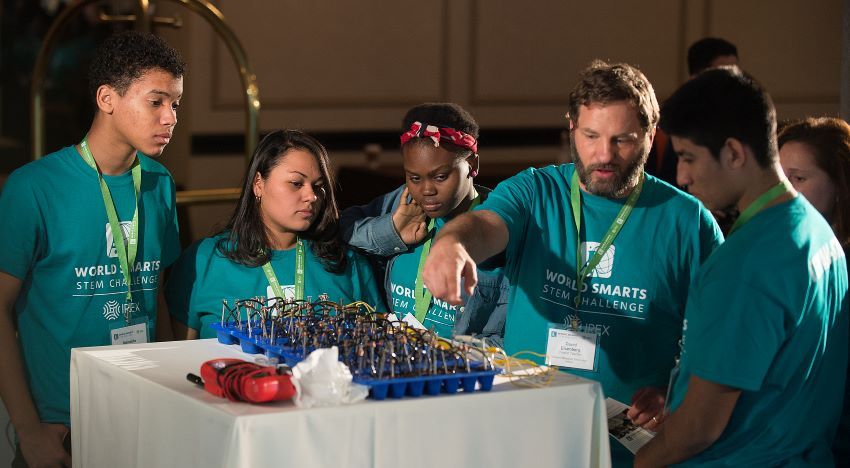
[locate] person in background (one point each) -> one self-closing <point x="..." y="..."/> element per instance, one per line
<point x="704" y="54"/>
<point x="815" y="156"/>
<point x="286" y="215"/>
<point x="439" y="146"/>
<point x="710" y="52"/>
<point x="760" y="380"/>
<point x="90" y="230"/>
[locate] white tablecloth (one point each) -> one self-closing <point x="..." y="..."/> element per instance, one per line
<point x="132" y="406"/>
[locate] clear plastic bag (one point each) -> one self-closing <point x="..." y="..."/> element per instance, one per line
<point x="322" y="380"/>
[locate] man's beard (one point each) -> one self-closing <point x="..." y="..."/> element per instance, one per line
<point x="625" y="178"/>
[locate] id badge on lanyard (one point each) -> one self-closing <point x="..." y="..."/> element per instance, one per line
<point x="566" y="346"/>
<point x="135" y="328"/>
<point x="571" y="348"/>
<point x="274" y="283"/>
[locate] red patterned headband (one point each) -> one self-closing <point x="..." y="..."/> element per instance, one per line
<point x="417" y="130"/>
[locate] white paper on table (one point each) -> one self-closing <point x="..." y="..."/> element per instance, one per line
<point x="409" y="319"/>
<point x="412" y="321"/>
<point x="632" y="436"/>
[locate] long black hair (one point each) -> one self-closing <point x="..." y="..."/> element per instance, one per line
<point x="246" y="239"/>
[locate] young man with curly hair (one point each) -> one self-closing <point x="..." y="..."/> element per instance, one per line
<point x="88" y="230"/>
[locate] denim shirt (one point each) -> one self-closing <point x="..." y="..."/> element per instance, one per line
<point x="370" y="228"/>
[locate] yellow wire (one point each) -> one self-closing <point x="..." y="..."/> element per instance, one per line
<point x="513" y="365"/>
<point x="356" y="304"/>
<point x="444" y="343"/>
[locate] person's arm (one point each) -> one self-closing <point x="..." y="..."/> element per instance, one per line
<point x="693" y="427"/>
<point x="463" y="242"/>
<point x="178" y="290"/>
<point x="163" y="318"/>
<point x="183" y="332"/>
<point x="386" y="226"/>
<point x="710" y="235"/>
<point x="41" y="443"/>
<point x="163" y="330"/>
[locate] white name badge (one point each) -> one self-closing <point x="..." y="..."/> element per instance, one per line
<point x="137" y="333"/>
<point x="571" y="348"/>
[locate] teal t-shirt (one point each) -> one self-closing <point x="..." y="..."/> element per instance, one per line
<point x="768" y="315"/>
<point x="635" y="297"/>
<point x="203" y="277"/>
<point x="56" y="240"/>
<point x="441" y="315"/>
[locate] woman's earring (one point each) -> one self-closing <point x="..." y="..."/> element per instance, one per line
<point x="258" y="198"/>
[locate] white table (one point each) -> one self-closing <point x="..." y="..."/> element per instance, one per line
<point x="132" y="406"/>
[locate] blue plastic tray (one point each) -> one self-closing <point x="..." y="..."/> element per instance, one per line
<point x="379" y="389"/>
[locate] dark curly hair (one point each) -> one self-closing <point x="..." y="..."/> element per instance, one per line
<point x="442" y="114"/>
<point x="125" y="57"/>
<point x="245" y="239"/>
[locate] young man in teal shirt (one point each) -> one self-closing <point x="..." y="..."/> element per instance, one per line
<point x="88" y="231"/>
<point x="606" y="310"/>
<point x="764" y="346"/>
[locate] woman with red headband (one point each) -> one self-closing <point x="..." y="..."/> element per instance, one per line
<point x="440" y="150"/>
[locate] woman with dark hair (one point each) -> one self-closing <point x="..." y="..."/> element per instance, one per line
<point x="439" y="146"/>
<point x="815" y="155"/>
<point x="287" y="215"/>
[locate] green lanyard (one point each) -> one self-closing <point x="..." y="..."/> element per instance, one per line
<point x="126" y="255"/>
<point x="299" y="273"/>
<point x="763" y="200"/>
<point x="583" y="272"/>
<point x="422" y="296"/>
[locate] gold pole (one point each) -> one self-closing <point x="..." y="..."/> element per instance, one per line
<point x="249" y="81"/>
<point x="143" y="23"/>
<point x="40" y="71"/>
<point x="195" y="197"/>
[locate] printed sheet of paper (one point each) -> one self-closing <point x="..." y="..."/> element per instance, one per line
<point x="632" y="436"/>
